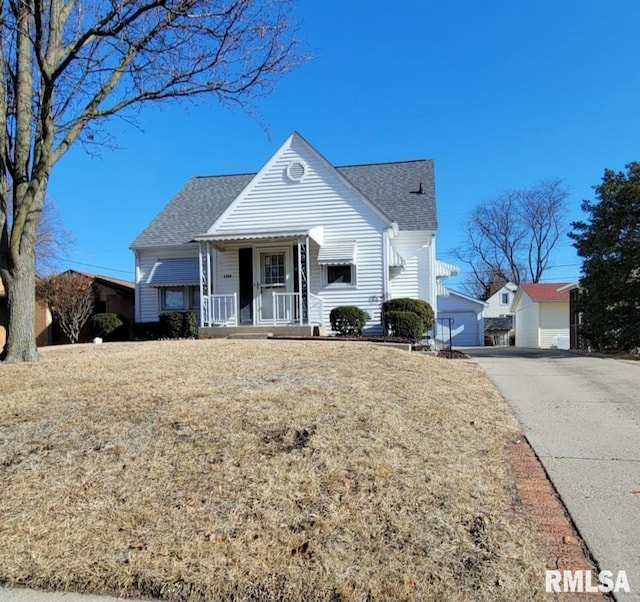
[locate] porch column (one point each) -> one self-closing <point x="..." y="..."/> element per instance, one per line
<point x="300" y="279"/>
<point x="205" y="283"/>
<point x="306" y="280"/>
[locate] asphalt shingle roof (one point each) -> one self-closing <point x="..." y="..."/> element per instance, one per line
<point x="394" y="188"/>
<point x="547" y="291"/>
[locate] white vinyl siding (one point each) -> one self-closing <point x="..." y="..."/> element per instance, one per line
<point x="527" y="320"/>
<point x="540" y="324"/>
<point x="554" y="322"/>
<point x="147" y="295"/>
<point x="415" y="279"/>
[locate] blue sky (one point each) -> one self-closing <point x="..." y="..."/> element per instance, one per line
<point x="501" y="94"/>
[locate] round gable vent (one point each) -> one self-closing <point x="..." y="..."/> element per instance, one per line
<point x="296" y="171"/>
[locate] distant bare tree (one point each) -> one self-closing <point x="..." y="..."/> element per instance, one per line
<point x="68" y="66"/>
<point x="53" y="239"/>
<point x="70" y="297"/>
<point x="513" y="235"/>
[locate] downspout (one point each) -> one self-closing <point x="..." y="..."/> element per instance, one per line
<point x="385" y="272"/>
<point x="433" y="285"/>
<point x="137" y="290"/>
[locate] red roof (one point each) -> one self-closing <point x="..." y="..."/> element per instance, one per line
<point x="546" y="292"/>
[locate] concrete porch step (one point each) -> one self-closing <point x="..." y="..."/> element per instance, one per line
<point x="260" y="332"/>
<point x="250" y="335"/>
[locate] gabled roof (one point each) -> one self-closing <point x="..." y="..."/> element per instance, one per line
<point x="549" y="291"/>
<point x="117" y="283"/>
<point x="199" y="204"/>
<point x="445" y="291"/>
<point x="403" y="191"/>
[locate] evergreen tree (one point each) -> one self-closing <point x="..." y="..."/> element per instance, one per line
<point x="609" y="242"/>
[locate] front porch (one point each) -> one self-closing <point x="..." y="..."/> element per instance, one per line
<point x="246" y="332"/>
<point x="286" y="310"/>
<point x="258" y="281"/>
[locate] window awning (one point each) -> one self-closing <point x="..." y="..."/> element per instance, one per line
<point x="174" y="272"/>
<point x="337" y="253"/>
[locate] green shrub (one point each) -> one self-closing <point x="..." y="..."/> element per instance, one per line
<point x="419" y="307"/>
<point x="102" y="325"/>
<point x="405" y="324"/>
<point x="348" y="319"/>
<point x="178" y="324"/>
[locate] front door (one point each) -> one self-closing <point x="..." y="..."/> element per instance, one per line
<point x="273" y="279"/>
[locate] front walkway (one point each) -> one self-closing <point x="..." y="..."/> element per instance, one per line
<point x="581" y="415"/>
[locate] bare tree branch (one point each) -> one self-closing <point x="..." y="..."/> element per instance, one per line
<point x="68" y="66"/>
<point x="513" y="235"/>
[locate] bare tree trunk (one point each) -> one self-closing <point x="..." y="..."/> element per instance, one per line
<point x="21" y="304"/>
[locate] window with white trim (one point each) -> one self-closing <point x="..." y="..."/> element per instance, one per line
<point x="504" y="298"/>
<point x="339" y="274"/>
<point x="179" y="298"/>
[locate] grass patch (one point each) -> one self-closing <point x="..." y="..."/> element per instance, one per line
<point x="260" y="470"/>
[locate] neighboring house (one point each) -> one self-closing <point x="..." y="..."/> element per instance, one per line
<point x="542" y="315"/>
<point x="499" y="304"/>
<point x="42" y="325"/>
<point x="459" y="322"/>
<point x="281" y="248"/>
<point x="499" y="324"/>
<point x="112" y="295"/>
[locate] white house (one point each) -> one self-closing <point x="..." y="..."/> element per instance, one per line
<point x="542" y="315"/>
<point x="499" y="304"/>
<point x="279" y="249"/>
<point x="498" y="319"/>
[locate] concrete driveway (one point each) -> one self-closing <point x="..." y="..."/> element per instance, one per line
<point x="581" y="415"/>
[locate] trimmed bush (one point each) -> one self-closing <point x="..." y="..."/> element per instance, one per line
<point x="178" y="324"/>
<point x="405" y="324"/>
<point x="419" y="307"/>
<point x="102" y="325"/>
<point x="348" y="319"/>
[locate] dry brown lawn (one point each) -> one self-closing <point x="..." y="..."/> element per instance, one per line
<point x="260" y="470"/>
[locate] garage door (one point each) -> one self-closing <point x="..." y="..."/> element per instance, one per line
<point x="464" y="329"/>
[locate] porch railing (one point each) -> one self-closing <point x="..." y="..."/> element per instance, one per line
<point x="315" y="309"/>
<point x="222" y="310"/>
<point x="287" y="309"/>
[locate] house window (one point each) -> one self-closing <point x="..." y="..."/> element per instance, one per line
<point x="179" y="298"/>
<point x="339" y="274"/>
<point x="504" y="298"/>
